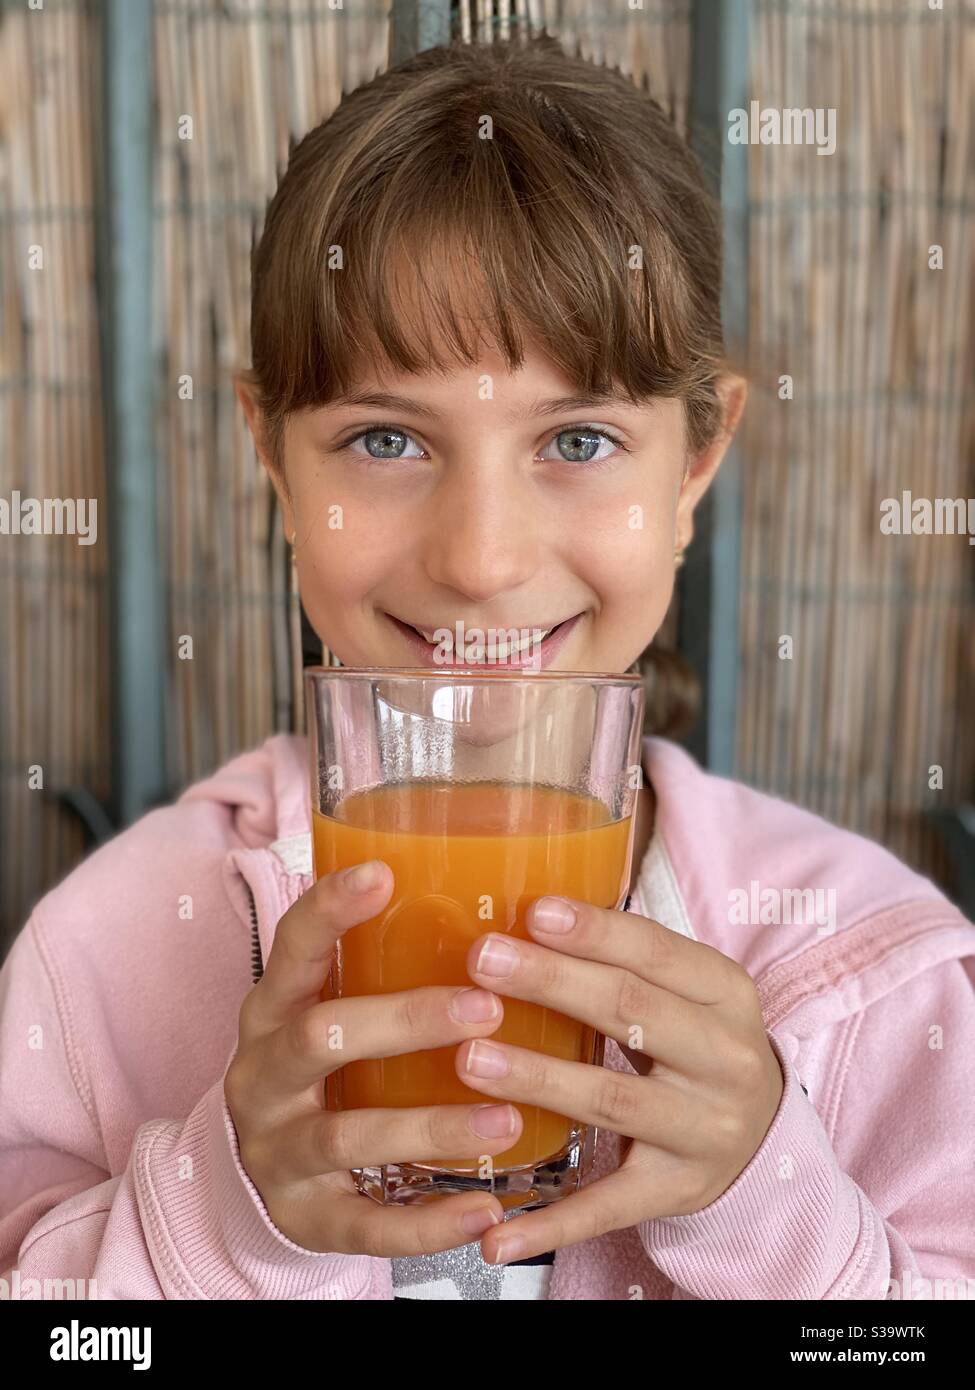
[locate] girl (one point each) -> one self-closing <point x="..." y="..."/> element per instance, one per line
<point x="486" y="337"/>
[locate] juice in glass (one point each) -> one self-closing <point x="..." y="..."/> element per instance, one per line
<point x="467" y="858"/>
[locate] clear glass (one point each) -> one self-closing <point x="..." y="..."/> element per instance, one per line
<point x="482" y="791"/>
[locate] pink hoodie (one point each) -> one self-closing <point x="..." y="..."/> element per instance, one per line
<point x="118" y="1018"/>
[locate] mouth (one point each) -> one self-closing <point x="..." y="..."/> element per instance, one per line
<point x="535" y="646"/>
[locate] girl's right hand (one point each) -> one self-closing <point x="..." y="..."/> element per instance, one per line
<point x="295" y="1151"/>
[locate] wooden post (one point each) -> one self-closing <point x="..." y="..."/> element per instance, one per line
<point x="416" y="25"/>
<point x="124" y="250"/>
<point x="709" y="582"/>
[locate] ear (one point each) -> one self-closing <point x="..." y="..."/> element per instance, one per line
<point x="245" y="394"/>
<point x="732" y="392"/>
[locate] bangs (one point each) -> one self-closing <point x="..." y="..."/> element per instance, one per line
<point x="406" y="242"/>
<point x="436" y="293"/>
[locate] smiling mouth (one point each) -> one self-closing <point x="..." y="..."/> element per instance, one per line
<point x="526" y="635"/>
<point x="502" y="650"/>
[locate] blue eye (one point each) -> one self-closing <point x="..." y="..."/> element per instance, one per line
<point x="386" y="442"/>
<point x="577" y="444"/>
<point x="581" y="444"/>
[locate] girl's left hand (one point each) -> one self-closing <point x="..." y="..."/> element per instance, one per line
<point x="687" y="1018"/>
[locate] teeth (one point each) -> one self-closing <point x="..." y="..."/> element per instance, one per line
<point x="502" y="648"/>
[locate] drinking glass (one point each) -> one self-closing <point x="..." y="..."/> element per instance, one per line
<point x="482" y="790"/>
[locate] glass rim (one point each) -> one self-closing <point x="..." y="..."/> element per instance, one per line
<point x="468" y="673"/>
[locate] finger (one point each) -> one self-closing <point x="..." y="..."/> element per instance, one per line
<point x="641" y="1107"/>
<point x="328" y="1035"/>
<point x="692" y="969"/>
<point x="608" y="1204"/>
<point x="304" y="942"/>
<point x="446" y="1135"/>
<point x="640" y="1015"/>
<point x="355" y="1224"/>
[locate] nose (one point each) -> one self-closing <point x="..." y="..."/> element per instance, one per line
<point x="484" y="539"/>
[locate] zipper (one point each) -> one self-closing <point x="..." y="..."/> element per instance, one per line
<point x="257" y="964"/>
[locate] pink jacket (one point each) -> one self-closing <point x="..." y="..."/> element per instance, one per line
<point x="118" y="1018"/>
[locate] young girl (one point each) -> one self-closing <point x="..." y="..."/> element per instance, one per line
<point x="486" y="336"/>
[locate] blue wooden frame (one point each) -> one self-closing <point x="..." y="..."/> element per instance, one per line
<point x="709" y="620"/>
<point x="124" y="258"/>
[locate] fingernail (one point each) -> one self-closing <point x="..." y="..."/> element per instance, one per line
<point x="363" y="876"/>
<point x="497" y="957"/>
<point x="509" y="1249"/>
<point x="553" y="915"/>
<point x="485" y="1060"/>
<point x="493" y="1121"/>
<point x="475" y="1005"/>
<point x="475" y="1223"/>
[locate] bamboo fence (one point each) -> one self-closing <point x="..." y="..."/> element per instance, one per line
<point x="882" y="686"/>
<point x="840" y="298"/>
<point x="53" y="610"/>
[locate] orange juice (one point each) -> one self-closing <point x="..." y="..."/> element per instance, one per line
<point x="467" y="858"/>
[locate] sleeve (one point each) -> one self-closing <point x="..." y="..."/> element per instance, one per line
<point x="884" y="1211"/>
<point x="182" y="1221"/>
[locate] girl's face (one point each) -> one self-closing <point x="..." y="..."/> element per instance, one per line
<point x="494" y="500"/>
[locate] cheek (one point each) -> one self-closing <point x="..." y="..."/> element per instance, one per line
<point x="343" y="552"/>
<point x="631" y="564"/>
<point x="644" y="584"/>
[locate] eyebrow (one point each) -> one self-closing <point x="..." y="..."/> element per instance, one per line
<point x="555" y="405"/>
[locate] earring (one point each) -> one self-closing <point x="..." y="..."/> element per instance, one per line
<point x="294" y="568"/>
<point x="678" y="556"/>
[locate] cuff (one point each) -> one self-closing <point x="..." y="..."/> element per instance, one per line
<point x="784" y="1229"/>
<point x="208" y="1229"/>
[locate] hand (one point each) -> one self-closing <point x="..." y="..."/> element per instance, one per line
<point x="688" y="1019"/>
<point x="298" y="1154"/>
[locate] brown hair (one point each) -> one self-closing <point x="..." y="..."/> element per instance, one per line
<point x="583" y="221"/>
